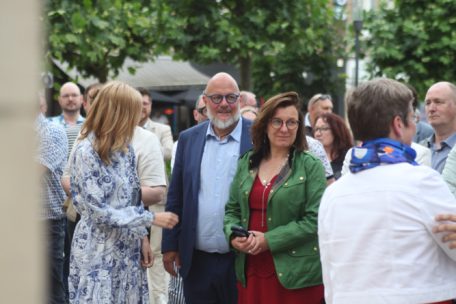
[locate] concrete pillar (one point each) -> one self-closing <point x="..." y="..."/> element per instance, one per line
<point x="21" y="258"/>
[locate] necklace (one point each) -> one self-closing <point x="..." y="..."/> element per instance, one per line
<point x="265" y="187"/>
<point x="266" y="184"/>
<point x="273" y="171"/>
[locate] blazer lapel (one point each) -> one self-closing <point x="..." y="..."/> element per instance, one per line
<point x="246" y="140"/>
<point x="198" y="143"/>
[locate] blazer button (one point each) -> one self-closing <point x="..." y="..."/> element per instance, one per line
<point x="246" y="192"/>
<point x="286" y="184"/>
<point x="293" y="252"/>
<point x="272" y="190"/>
<point x="269" y="219"/>
<point x="244" y="220"/>
<point x="280" y="274"/>
<point x="301" y="178"/>
<point x="315" y="248"/>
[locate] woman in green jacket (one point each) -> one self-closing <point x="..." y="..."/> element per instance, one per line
<point x="275" y="195"/>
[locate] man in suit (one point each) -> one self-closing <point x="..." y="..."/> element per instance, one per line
<point x="206" y="161"/>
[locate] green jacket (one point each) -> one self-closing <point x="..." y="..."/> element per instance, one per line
<point x="292" y="214"/>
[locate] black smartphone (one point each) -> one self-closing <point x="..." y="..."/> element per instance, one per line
<point x="239" y="231"/>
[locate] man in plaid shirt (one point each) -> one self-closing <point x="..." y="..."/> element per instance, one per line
<point x="52" y="153"/>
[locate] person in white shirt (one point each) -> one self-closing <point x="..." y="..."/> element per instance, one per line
<point x="162" y="131"/>
<point x="375" y="224"/>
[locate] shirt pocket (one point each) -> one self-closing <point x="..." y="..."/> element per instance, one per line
<point x="310" y="248"/>
<point x="292" y="196"/>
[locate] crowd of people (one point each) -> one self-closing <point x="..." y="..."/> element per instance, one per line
<point x="264" y="204"/>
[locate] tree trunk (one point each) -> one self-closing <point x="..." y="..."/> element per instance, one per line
<point x="103" y="75"/>
<point x="245" y="67"/>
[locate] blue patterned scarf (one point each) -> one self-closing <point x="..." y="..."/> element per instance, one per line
<point x="381" y="151"/>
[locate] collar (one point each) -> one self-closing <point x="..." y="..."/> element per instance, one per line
<point x="450" y="141"/>
<point x="147" y="124"/>
<point x="235" y="134"/>
<point x="62" y="120"/>
<point x="381" y="151"/>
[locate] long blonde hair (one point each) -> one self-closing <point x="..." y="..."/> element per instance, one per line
<point x="114" y="114"/>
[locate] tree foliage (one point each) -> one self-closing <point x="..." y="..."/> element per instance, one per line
<point x="97" y="36"/>
<point x="277" y="42"/>
<point x="415" y="41"/>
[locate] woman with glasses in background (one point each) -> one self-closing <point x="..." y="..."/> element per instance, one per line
<point x="331" y="130"/>
<point x="275" y="195"/>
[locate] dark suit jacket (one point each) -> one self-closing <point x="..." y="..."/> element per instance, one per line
<point x="184" y="189"/>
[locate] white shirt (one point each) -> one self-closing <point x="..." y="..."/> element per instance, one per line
<point x="317" y="149"/>
<point x="376" y="239"/>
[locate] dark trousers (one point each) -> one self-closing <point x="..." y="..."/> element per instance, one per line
<point x="70" y="227"/>
<point x="211" y="279"/>
<point x="55" y="240"/>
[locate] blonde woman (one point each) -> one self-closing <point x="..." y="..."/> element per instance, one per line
<point x="110" y="249"/>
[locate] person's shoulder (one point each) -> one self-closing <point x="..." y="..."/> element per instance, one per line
<point x="141" y="134"/>
<point x="306" y="156"/>
<point x="194" y="130"/>
<point x="314" y="145"/>
<point x="56" y="128"/>
<point x="159" y="125"/>
<point x="247" y="122"/>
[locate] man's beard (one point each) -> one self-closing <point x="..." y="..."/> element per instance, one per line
<point x="222" y="125"/>
<point x="71" y="110"/>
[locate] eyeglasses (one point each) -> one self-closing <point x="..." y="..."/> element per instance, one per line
<point x="323" y="97"/>
<point x="70" y="95"/>
<point x="218" y="98"/>
<point x="321" y="129"/>
<point x="291" y="124"/>
<point x="202" y="111"/>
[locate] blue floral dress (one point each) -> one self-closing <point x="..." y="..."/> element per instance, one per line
<point x="106" y="250"/>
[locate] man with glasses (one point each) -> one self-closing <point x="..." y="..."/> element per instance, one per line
<point x="318" y="104"/>
<point x="175" y="289"/>
<point x="200" y="110"/>
<point x="206" y="161"/>
<point x="70" y="101"/>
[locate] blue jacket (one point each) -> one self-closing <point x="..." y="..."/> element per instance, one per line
<point x="184" y="189"/>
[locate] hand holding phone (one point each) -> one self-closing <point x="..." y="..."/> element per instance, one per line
<point x="239" y="231"/>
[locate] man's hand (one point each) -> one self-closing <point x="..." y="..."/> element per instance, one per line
<point x="165" y="219"/>
<point x="171" y="261"/>
<point x="147" y="257"/>
<point x="449" y="229"/>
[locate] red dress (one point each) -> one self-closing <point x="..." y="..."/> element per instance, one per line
<point x="263" y="286"/>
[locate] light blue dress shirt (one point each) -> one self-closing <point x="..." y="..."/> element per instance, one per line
<point x="439" y="156"/>
<point x="218" y="167"/>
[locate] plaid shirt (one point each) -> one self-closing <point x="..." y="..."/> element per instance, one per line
<point x="59" y="119"/>
<point x="52" y="154"/>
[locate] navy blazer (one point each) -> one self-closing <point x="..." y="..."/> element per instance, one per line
<point x="184" y="189"/>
